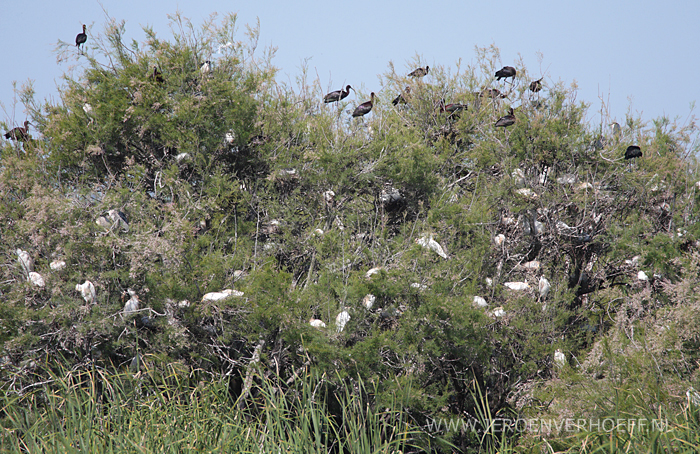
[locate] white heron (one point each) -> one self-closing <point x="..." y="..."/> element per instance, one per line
<point x="559" y="358"/>
<point x="368" y="301"/>
<point x="132" y="305"/>
<point x="341" y="320"/>
<point x="499" y="239"/>
<point x="87" y="290"/>
<point x="516" y="285"/>
<point x="57" y="265"/>
<point x="36" y="279"/>
<point x="316" y="323"/>
<point x="26" y="261"/>
<point x="430" y="243"/>
<point x="218" y="296"/>
<point x="544" y="287"/>
<point x="480" y="301"/>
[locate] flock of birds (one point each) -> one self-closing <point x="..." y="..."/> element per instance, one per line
<point x="21" y="133"/>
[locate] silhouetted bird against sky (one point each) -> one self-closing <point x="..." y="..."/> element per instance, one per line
<point x="157" y="75"/>
<point x="81" y="37"/>
<point x="536" y="85"/>
<point x="403" y="97"/>
<point x="616" y="128"/>
<point x="633" y="151"/>
<point x="364" y="108"/>
<point x="506" y="120"/>
<point x="420" y="72"/>
<point x="505" y="72"/>
<point x="337" y="95"/>
<point x="19" y="133"/>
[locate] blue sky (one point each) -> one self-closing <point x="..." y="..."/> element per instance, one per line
<point x="639" y="56"/>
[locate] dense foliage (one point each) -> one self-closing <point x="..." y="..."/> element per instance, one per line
<point x="228" y="179"/>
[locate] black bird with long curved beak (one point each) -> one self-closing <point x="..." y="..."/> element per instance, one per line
<point x="81" y="37"/>
<point x="403" y="97"/>
<point x="157" y="75"/>
<point x="19" y="133"/>
<point x="364" y="108"/>
<point x="420" y="72"/>
<point x="452" y="109"/>
<point x="506" y="72"/>
<point x="337" y="95"/>
<point x="536" y="85"/>
<point x="633" y="151"/>
<point x="506" y="120"/>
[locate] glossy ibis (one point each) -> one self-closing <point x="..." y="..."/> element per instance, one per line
<point x="81" y="37"/>
<point x="506" y="120"/>
<point x="364" y="108"/>
<point x="536" y="85"/>
<point x="157" y="75"/>
<point x="505" y="72"/>
<point x="403" y="97"/>
<point x="337" y="95"/>
<point x="420" y="72"/>
<point x="452" y="109"/>
<point x="19" y="133"/>
<point x="633" y="151"/>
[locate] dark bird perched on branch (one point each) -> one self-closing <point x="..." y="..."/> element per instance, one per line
<point x="536" y="85"/>
<point x="505" y="72"/>
<point x="337" y="95"/>
<point x="506" y="120"/>
<point x="452" y="109"/>
<point x="19" y="133"/>
<point x="157" y="75"/>
<point x="633" y="151"/>
<point x="364" y="108"/>
<point x="420" y="72"/>
<point x="81" y="37"/>
<point x="403" y="97"/>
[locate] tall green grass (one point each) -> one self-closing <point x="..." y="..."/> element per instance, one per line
<point x="95" y="411"/>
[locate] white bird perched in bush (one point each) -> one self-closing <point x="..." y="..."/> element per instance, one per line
<point x="498" y="312"/>
<point x="480" y="301"/>
<point x="218" y="296"/>
<point x="543" y="287"/>
<point x="230" y="138"/>
<point x="642" y="276"/>
<point x="499" y="239"/>
<point x="373" y="271"/>
<point x="368" y="301"/>
<point x="559" y="358"/>
<point x="205" y="68"/>
<point x="57" y="265"/>
<point x="316" y="323"/>
<point x="36" y="279"/>
<point x="341" y="320"/>
<point x="132" y="305"/>
<point x="26" y="261"/>
<point x="516" y="285"/>
<point x="87" y="290"/>
<point x="431" y="244"/>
